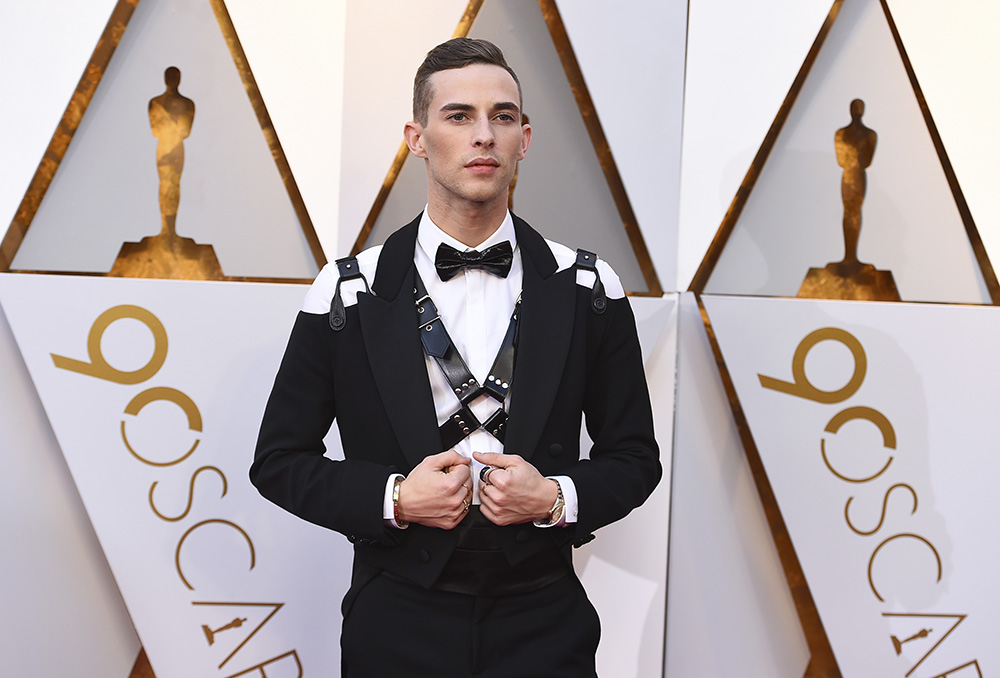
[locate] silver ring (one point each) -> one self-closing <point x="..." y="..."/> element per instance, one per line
<point x="484" y="474"/>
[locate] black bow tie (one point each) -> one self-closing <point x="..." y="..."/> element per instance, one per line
<point x="495" y="260"/>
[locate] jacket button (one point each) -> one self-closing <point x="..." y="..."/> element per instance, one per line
<point x="351" y="538"/>
<point x="555" y="449"/>
<point x="522" y="536"/>
<point x="423" y="556"/>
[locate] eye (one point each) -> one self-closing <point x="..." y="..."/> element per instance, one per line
<point x="506" y="117"/>
<point x="458" y="117"/>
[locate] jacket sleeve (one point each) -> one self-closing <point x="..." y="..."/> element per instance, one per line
<point x="623" y="466"/>
<point x="289" y="466"/>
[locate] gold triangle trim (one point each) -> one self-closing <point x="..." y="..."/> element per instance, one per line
<point x="925" y="615"/>
<point x="65" y="130"/>
<point x="822" y="662"/>
<point x="585" y="104"/>
<point x="267" y="127"/>
<point x="704" y="272"/>
<point x="274" y="610"/>
<point x="985" y="267"/>
<point x="77" y="108"/>
<point x="711" y="258"/>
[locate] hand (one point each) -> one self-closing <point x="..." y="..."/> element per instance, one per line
<point x="517" y="492"/>
<point x="437" y="492"/>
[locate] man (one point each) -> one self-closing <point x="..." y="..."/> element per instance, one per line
<point x="459" y="380"/>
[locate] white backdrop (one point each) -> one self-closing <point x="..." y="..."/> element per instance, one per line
<point x="879" y="453"/>
<point x="740" y="62"/>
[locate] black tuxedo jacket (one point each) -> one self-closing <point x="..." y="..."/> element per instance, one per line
<point x="371" y="376"/>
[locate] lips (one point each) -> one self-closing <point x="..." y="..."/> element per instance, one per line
<point x="483" y="162"/>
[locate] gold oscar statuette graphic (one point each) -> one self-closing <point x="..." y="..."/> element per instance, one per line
<point x="850" y="278"/>
<point x="210" y="633"/>
<point x="897" y="644"/>
<point x="168" y="255"/>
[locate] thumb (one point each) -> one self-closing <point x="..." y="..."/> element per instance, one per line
<point x="497" y="459"/>
<point x="449" y="458"/>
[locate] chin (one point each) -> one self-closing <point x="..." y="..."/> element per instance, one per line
<point x="483" y="196"/>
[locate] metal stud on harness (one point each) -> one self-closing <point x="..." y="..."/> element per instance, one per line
<point x="439" y="345"/>
<point x="349" y="270"/>
<point x="587" y="261"/>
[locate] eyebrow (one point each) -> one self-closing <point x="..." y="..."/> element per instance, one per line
<point x="499" y="106"/>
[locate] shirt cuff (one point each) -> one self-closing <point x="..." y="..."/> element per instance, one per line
<point x="570" y="500"/>
<point x="387" y="512"/>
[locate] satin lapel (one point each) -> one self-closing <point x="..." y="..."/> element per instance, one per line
<point x="396" y="357"/>
<point x="545" y="331"/>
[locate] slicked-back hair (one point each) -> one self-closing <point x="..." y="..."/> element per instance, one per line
<point x="456" y="53"/>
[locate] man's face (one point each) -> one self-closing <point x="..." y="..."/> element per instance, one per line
<point x="473" y="137"/>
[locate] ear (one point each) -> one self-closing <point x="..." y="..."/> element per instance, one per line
<point x="413" y="132"/>
<point x="525" y="141"/>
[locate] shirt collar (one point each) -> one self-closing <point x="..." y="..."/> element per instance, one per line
<point x="430" y="236"/>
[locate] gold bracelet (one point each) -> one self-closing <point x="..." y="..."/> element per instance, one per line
<point x="556" y="513"/>
<point x="400" y="523"/>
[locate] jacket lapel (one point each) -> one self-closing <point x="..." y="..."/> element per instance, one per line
<point x="545" y="330"/>
<point x="396" y="357"/>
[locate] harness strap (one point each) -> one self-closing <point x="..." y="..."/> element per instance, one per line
<point x="587" y="261"/>
<point x="349" y="270"/>
<point x="439" y="345"/>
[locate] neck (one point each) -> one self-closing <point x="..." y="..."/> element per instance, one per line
<point x="469" y="224"/>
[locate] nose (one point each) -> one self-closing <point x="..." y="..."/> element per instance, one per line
<point x="483" y="133"/>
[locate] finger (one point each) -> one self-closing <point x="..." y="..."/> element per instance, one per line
<point x="488" y="458"/>
<point x="457" y="496"/>
<point x="458" y="476"/>
<point x="460" y="490"/>
<point x="499" y="477"/>
<point x="492" y="515"/>
<point x="493" y="497"/>
<point x="498" y="459"/>
<point x="486" y="506"/>
<point x="446" y="459"/>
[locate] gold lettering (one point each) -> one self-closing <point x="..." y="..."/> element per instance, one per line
<point x="190" y="500"/>
<point x="907" y="535"/>
<point x="885" y="506"/>
<point x="180" y="544"/>
<point x="99" y="366"/>
<point x="171" y="395"/>
<point x="801" y="386"/>
<point x="869" y="414"/>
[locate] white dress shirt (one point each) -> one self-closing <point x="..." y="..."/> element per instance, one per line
<point x="475" y="307"/>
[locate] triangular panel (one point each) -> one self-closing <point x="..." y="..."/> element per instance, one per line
<point x="876" y="450"/>
<point x="153" y="389"/>
<point x="568" y="186"/>
<point x="102" y="180"/>
<point x="792" y="211"/>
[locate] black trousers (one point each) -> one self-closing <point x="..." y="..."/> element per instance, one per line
<point x="393" y="629"/>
